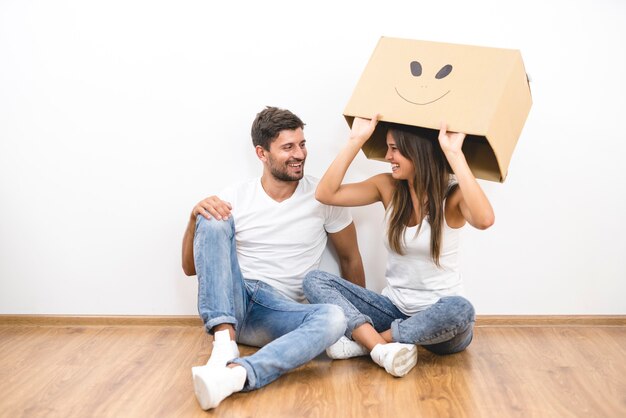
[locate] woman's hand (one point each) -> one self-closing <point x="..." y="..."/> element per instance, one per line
<point x="362" y="129"/>
<point x="469" y="201"/>
<point x="451" y="142"/>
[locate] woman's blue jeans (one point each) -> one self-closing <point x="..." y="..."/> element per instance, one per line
<point x="446" y="327"/>
<point x="290" y="333"/>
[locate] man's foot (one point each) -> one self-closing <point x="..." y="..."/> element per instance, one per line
<point x="396" y="358"/>
<point x="346" y="348"/>
<point x="214" y="384"/>
<point x="224" y="349"/>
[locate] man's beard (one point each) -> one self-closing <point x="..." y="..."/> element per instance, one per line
<point x="280" y="172"/>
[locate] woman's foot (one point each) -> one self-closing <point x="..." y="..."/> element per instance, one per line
<point x="396" y="358"/>
<point x="346" y="348"/>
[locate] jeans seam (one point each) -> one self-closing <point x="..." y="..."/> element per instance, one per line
<point x="239" y="331"/>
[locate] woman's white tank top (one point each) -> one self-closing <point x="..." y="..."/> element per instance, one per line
<point x="414" y="282"/>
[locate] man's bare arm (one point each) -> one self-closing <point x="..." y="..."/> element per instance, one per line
<point x="212" y="206"/>
<point x="188" y="264"/>
<point x="350" y="261"/>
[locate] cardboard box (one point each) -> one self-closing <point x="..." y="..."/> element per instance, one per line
<point x="480" y="91"/>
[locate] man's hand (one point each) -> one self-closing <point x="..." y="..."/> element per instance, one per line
<point x="212" y="206"/>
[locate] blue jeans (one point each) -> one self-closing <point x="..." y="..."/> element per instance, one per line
<point x="446" y="327"/>
<point x="290" y="333"/>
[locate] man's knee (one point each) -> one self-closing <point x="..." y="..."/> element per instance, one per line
<point x="335" y="321"/>
<point x="213" y="226"/>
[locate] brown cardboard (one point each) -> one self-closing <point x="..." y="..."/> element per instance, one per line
<point x="481" y="91"/>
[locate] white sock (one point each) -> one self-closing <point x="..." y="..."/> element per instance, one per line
<point x="396" y="358"/>
<point x="224" y="349"/>
<point x="214" y="384"/>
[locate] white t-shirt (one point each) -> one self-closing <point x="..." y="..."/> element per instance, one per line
<point x="414" y="282"/>
<point x="280" y="242"/>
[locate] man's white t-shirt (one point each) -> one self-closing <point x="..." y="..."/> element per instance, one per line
<point x="280" y="242"/>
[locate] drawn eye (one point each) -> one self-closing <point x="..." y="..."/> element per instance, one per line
<point x="416" y="69"/>
<point x="445" y="70"/>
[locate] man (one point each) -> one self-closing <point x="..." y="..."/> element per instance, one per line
<point x="251" y="248"/>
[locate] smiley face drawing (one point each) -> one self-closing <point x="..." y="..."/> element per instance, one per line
<point x="424" y="91"/>
<point x="481" y="91"/>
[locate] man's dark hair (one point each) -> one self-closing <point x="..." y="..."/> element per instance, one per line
<point x="268" y="124"/>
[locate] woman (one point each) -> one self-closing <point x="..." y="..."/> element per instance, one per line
<point x="424" y="210"/>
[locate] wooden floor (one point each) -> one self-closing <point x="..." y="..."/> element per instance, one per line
<point x="144" y="371"/>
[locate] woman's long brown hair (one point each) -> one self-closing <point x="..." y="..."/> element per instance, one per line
<point x="431" y="181"/>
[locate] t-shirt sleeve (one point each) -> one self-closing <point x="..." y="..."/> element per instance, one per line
<point x="337" y="218"/>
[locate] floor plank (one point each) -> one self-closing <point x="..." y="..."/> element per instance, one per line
<point x="139" y="371"/>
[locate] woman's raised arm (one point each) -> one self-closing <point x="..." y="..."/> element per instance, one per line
<point x="473" y="204"/>
<point x="330" y="189"/>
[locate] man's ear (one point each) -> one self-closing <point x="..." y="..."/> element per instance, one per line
<point x="261" y="153"/>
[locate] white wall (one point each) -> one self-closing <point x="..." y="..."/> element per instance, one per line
<point x="116" y="117"/>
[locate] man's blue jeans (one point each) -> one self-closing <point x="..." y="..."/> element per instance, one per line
<point x="443" y="328"/>
<point x="290" y="333"/>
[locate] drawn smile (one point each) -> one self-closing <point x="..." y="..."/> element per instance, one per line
<point x="416" y="103"/>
